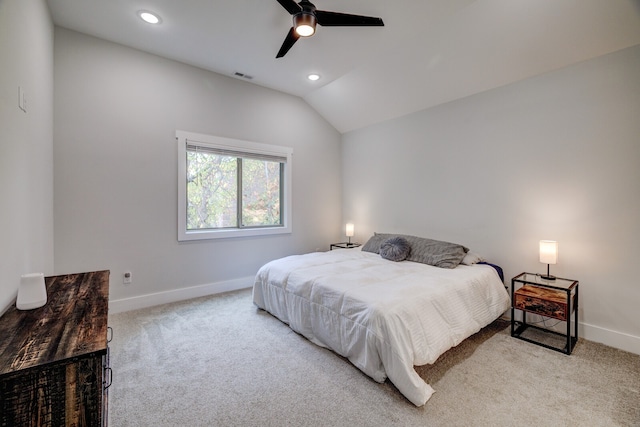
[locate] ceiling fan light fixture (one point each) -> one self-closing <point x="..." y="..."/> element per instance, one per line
<point x="305" y="24"/>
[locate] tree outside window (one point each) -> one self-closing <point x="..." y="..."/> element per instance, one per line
<point x="232" y="188"/>
<point x="215" y="183"/>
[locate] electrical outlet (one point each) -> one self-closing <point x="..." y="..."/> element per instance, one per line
<point x="127" y="277"/>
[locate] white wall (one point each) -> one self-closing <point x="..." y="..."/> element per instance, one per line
<point x="26" y="143"/>
<point x="552" y="157"/>
<point x="116" y="113"/>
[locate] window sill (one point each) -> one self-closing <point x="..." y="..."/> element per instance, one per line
<point x="230" y="233"/>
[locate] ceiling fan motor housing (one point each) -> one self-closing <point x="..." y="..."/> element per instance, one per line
<point x="305" y="23"/>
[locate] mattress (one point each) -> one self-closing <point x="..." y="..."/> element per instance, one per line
<point x="385" y="317"/>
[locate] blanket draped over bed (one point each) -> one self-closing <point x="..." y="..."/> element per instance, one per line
<point x="386" y="317"/>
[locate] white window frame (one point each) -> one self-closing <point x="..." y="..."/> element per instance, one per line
<point x="238" y="145"/>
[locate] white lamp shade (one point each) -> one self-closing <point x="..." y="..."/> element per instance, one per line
<point x="548" y="251"/>
<point x="32" y="292"/>
<point x="349" y="230"/>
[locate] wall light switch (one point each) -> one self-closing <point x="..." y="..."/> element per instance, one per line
<point x="22" y="100"/>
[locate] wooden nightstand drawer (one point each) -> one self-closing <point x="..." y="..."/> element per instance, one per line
<point x="538" y="300"/>
<point x="557" y="299"/>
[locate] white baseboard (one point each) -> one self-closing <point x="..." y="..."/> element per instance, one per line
<point x="604" y="336"/>
<point x="611" y="338"/>
<point x="150" y="300"/>
<point x="593" y="333"/>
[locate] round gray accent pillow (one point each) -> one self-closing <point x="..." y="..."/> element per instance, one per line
<point x="395" y="249"/>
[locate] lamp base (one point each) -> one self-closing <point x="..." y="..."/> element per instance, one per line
<point x="547" y="276"/>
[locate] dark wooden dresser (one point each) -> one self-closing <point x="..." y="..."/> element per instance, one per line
<point x="54" y="361"/>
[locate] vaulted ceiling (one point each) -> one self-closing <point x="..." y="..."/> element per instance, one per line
<point x="429" y="51"/>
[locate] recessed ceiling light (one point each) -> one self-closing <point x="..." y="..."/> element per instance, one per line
<point x="313" y="77"/>
<point x="149" y="17"/>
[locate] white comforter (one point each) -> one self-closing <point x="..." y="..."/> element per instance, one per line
<point x="385" y="317"/>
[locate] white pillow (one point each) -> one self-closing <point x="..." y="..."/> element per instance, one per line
<point x="471" y="258"/>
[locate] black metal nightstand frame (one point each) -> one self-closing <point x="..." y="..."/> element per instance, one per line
<point x="518" y="327"/>
<point x="343" y="245"/>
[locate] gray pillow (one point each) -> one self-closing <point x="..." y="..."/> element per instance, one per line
<point x="425" y="251"/>
<point x="395" y="249"/>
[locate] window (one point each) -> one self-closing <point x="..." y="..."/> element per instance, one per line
<point x="232" y="188"/>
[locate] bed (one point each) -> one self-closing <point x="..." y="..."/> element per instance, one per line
<point x="384" y="316"/>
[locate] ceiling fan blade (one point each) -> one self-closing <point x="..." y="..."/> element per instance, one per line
<point x="335" y="19"/>
<point x="291" y="6"/>
<point x="289" y="41"/>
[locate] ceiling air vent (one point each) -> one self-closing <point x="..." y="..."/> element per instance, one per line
<point x="243" y="75"/>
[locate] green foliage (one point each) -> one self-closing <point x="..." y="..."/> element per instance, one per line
<point x="213" y="196"/>
<point x="260" y="192"/>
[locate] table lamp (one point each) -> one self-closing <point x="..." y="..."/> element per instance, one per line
<point x="349" y="231"/>
<point x="548" y="255"/>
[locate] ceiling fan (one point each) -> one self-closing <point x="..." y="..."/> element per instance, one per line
<point x="306" y="16"/>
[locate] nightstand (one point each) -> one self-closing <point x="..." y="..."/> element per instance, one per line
<point x="343" y="245"/>
<point x="54" y="360"/>
<point x="555" y="299"/>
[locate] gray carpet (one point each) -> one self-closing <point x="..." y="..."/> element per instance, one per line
<point x="219" y="361"/>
